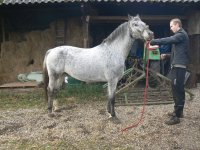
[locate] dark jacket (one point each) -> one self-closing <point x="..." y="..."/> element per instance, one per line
<point x="181" y="47"/>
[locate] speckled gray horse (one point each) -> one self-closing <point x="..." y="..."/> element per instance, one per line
<point x="103" y="63"/>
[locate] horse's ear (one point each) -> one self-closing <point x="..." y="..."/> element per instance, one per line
<point x="129" y="17"/>
<point x="138" y="16"/>
<point x="135" y="18"/>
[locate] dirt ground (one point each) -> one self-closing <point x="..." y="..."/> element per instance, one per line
<point x="87" y="126"/>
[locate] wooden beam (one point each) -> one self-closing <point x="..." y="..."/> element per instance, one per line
<point x="111" y="19"/>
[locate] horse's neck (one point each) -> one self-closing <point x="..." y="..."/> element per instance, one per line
<point x="122" y="44"/>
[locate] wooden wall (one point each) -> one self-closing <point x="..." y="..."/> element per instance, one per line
<point x="23" y="47"/>
<point x="194" y="52"/>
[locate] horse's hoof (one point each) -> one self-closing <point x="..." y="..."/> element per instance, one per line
<point x="57" y="110"/>
<point x="49" y="110"/>
<point x="111" y="115"/>
<point x="51" y="115"/>
<point x="115" y="120"/>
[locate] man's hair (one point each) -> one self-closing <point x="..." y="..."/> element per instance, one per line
<point x="177" y="21"/>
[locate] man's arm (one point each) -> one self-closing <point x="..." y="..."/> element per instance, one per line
<point x="168" y="40"/>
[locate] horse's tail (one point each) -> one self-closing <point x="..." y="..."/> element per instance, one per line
<point x="45" y="77"/>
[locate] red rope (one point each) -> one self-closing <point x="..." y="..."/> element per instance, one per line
<point x="145" y="101"/>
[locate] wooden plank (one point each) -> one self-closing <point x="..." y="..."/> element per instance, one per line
<point x="19" y="85"/>
<point x="111" y="19"/>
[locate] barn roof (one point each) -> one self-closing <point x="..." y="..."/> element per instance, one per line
<point x="7" y="2"/>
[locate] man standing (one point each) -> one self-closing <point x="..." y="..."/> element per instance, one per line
<point x="180" y="60"/>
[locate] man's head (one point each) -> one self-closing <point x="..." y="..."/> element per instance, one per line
<point x="175" y="25"/>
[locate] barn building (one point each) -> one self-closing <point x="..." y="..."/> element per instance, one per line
<point x="28" y="28"/>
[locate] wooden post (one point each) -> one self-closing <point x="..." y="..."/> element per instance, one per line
<point x="85" y="27"/>
<point x="3" y="29"/>
<point x="86" y="32"/>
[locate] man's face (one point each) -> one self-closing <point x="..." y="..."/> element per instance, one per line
<point x="174" y="27"/>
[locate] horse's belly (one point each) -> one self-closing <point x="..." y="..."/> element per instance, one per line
<point x="88" y="75"/>
<point x="89" y="78"/>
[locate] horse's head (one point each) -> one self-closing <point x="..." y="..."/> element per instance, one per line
<point x="139" y="29"/>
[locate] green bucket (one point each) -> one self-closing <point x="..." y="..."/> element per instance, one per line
<point x="71" y="80"/>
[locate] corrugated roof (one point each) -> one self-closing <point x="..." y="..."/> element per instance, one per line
<point x="59" y="1"/>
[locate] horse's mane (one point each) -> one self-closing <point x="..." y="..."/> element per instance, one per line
<point x="120" y="29"/>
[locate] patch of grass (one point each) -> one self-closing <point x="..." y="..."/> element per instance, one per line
<point x="15" y="100"/>
<point x="35" y="99"/>
<point x="82" y="91"/>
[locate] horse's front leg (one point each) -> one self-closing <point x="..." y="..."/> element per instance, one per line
<point x="111" y="97"/>
<point x="111" y="105"/>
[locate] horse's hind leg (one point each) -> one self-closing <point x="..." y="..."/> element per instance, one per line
<point x="60" y="84"/>
<point x="50" y="99"/>
<point x="51" y="94"/>
<point x="111" y="97"/>
<point x="53" y="88"/>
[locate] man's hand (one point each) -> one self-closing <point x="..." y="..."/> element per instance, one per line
<point x="153" y="46"/>
<point x="163" y="56"/>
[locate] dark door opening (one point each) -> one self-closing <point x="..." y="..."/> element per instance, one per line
<point x="100" y="31"/>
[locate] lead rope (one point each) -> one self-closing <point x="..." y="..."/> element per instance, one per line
<point x="145" y="99"/>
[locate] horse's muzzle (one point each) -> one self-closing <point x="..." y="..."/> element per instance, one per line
<point x="151" y="35"/>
